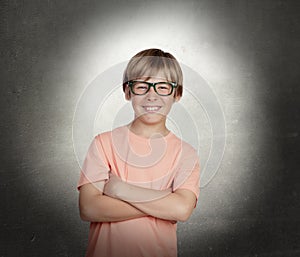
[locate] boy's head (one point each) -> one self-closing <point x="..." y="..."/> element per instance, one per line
<point x="154" y="63"/>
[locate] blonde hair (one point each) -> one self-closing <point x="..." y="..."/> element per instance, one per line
<point x="151" y="62"/>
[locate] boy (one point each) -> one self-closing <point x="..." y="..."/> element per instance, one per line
<point x="138" y="180"/>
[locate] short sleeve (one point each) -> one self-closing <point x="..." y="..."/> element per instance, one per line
<point x="95" y="166"/>
<point x="188" y="172"/>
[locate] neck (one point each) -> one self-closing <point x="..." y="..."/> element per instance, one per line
<point x="148" y="130"/>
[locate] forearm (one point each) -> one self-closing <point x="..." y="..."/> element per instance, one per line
<point x="171" y="207"/>
<point x="157" y="203"/>
<point x="135" y="194"/>
<point x="102" y="208"/>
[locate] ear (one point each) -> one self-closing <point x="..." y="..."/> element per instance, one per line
<point x="177" y="98"/>
<point x="127" y="93"/>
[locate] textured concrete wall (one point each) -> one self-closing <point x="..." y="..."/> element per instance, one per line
<point x="248" y="51"/>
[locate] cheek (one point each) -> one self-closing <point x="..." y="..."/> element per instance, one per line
<point x="167" y="106"/>
<point x="169" y="103"/>
<point x="135" y="103"/>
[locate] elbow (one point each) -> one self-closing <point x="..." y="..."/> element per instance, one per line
<point x="184" y="213"/>
<point x="91" y="213"/>
<point x="84" y="213"/>
<point x="87" y="212"/>
<point x="84" y="217"/>
<point x="183" y="217"/>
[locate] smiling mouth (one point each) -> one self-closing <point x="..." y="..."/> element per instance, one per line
<point x="151" y="108"/>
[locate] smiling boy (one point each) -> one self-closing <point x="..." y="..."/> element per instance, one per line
<point x="138" y="180"/>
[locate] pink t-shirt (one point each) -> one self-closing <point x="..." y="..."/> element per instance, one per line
<point x="157" y="163"/>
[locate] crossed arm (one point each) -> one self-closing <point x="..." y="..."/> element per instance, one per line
<point x="122" y="201"/>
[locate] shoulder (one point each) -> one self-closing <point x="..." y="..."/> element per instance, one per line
<point x="108" y="135"/>
<point x="185" y="147"/>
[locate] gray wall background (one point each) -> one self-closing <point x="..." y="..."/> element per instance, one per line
<point x="251" y="208"/>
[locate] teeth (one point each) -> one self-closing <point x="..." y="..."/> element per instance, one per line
<point x="152" y="108"/>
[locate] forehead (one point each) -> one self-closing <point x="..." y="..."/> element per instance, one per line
<point x="152" y="75"/>
<point x="160" y="76"/>
<point x="154" y="67"/>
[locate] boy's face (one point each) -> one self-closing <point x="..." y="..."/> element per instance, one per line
<point x="151" y="107"/>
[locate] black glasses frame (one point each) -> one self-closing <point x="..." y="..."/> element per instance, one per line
<point x="131" y="83"/>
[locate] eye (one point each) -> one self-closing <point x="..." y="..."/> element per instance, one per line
<point x="141" y="86"/>
<point x="163" y="86"/>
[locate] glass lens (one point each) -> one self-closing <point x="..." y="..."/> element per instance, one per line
<point x="139" y="88"/>
<point x="163" y="88"/>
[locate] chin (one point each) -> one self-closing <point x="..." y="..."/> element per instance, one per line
<point x="152" y="118"/>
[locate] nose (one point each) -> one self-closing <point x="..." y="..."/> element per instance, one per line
<point x="151" y="94"/>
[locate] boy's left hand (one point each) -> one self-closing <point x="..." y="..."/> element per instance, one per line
<point x="113" y="187"/>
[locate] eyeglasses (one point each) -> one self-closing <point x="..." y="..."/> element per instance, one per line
<point x="142" y="87"/>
